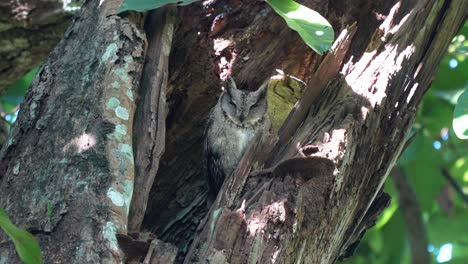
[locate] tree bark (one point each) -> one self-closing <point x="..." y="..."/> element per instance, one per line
<point x="29" y="30"/>
<point x="67" y="168"/>
<point x="312" y="191"/>
<point x="356" y="111"/>
<point x="150" y="117"/>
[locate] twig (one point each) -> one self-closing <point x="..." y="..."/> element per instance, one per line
<point x="455" y="185"/>
<point x="408" y="142"/>
<point x="413" y="218"/>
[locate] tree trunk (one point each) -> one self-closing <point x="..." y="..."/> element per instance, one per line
<point x="314" y="188"/>
<point x="67" y="168"/>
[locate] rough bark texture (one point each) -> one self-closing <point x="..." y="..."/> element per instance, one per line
<point x="146" y="250"/>
<point x="358" y="106"/>
<point x="66" y="171"/>
<point x="4" y="128"/>
<point x="150" y="126"/>
<point x="177" y="202"/>
<point x="29" y="29"/>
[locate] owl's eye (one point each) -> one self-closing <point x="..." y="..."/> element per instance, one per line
<point x="232" y="103"/>
<point x="255" y="105"/>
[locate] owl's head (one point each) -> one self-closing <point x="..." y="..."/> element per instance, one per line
<point x="244" y="108"/>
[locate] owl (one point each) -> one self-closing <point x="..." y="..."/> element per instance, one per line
<point x="233" y="122"/>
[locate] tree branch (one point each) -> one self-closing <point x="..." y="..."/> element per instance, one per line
<point x="150" y="116"/>
<point x="455" y="185"/>
<point x="412" y="215"/>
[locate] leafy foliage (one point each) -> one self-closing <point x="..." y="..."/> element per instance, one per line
<point x="460" y="119"/>
<point x="26" y="244"/>
<point x="314" y="29"/>
<point x="14" y="95"/>
<point x="145" y="5"/>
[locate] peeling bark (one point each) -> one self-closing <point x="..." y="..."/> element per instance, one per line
<point x="150" y="126"/>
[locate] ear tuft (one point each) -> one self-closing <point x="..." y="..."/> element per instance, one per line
<point x="262" y="90"/>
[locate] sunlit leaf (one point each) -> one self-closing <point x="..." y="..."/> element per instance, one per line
<point x="145" y="5"/>
<point x="388" y="213"/>
<point x="26" y="244"/>
<point x="460" y="116"/>
<point x="459" y="170"/>
<point x="314" y="29"/>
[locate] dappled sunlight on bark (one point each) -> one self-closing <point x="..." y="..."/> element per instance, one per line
<point x="81" y="143"/>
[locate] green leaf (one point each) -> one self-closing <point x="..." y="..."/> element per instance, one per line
<point x="19" y="88"/>
<point x="460" y="251"/>
<point x="449" y="78"/>
<point x="376" y="240"/>
<point x="458" y="261"/>
<point x="394" y="235"/>
<point x="387" y="214"/>
<point x="424" y="172"/>
<point x="448" y="228"/>
<point x="26" y="244"/>
<point x="449" y="96"/>
<point x="145" y="5"/>
<point x="411" y="152"/>
<point x="435" y="114"/>
<point x="459" y="170"/>
<point x="6" y="106"/>
<point x="314" y="29"/>
<point x="460" y="116"/>
<point x="15" y="93"/>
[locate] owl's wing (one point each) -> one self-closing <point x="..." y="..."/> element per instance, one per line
<point x="215" y="173"/>
<point x="213" y="166"/>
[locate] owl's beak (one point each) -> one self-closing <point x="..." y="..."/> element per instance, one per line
<point x="240" y="115"/>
